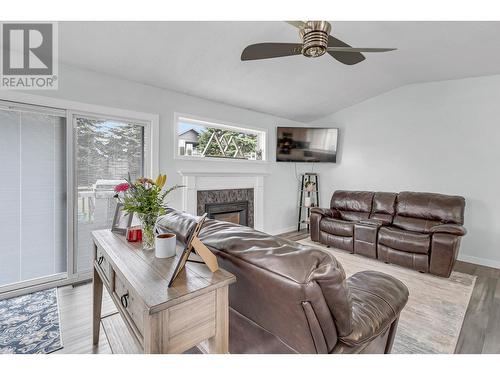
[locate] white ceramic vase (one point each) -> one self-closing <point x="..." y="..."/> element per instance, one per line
<point x="165" y="245"/>
<point x="307" y="201"/>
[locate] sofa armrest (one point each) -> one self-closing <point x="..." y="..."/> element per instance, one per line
<point x="327" y="212"/>
<point x="317" y="214"/>
<point x="455" y="229"/>
<point x="444" y="252"/>
<point x="377" y="300"/>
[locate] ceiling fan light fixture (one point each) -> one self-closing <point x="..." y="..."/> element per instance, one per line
<point x="315" y="51"/>
<point x="315" y="38"/>
<point x="316" y="41"/>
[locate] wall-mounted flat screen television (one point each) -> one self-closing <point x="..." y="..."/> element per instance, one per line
<point x="314" y="145"/>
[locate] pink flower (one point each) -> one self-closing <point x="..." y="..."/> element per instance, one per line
<point x="122" y="187"/>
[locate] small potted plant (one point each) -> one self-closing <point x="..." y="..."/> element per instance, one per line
<point x="146" y="198"/>
<point x="309" y="187"/>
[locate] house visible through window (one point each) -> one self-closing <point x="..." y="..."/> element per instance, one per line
<point x="204" y="139"/>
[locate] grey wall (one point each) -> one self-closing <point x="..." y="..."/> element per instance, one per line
<point x="439" y="137"/>
<point x="280" y="185"/>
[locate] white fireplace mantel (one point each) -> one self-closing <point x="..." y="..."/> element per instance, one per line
<point x="198" y="180"/>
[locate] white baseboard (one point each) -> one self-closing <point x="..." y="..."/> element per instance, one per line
<point x="282" y="230"/>
<point x="480" y="261"/>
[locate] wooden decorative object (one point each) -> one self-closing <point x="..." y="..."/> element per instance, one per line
<point x="194" y="243"/>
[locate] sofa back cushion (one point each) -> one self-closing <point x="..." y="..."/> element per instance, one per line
<point x="352" y="205"/>
<point x="179" y="223"/>
<point x="383" y="207"/>
<point x="420" y="211"/>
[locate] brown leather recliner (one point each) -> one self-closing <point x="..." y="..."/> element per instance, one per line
<point x="335" y="226"/>
<point x="290" y="298"/>
<point x="416" y="230"/>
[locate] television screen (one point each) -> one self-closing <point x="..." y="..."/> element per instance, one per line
<point x="306" y="144"/>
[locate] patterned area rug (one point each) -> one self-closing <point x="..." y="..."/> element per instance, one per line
<point x="29" y="324"/>
<point x="432" y="319"/>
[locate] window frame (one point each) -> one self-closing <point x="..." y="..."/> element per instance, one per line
<point x="203" y="121"/>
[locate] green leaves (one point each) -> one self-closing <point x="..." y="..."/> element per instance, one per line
<point x="146" y="198"/>
<point x="246" y="142"/>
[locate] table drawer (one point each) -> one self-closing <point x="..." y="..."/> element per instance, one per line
<point x="132" y="305"/>
<point x="103" y="264"/>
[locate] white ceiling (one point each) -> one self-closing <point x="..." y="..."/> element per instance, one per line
<point x="203" y="59"/>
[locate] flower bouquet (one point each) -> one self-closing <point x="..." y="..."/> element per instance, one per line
<point x="145" y="197"/>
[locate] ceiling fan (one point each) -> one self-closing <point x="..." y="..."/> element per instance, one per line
<point x="316" y="41"/>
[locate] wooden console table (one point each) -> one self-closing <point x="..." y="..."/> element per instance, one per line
<point x="162" y="320"/>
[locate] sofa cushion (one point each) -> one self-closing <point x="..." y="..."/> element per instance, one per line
<point x="418" y="262"/>
<point x="354" y="215"/>
<point x="337" y="242"/>
<point x="337" y="227"/>
<point x="355" y="201"/>
<point x="414" y="224"/>
<point x="383" y="207"/>
<point x="404" y="240"/>
<point x="447" y="209"/>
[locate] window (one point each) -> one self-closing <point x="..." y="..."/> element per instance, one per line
<point x="197" y="138"/>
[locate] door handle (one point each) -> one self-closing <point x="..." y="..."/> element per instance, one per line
<point x="100" y="260"/>
<point x="124" y="300"/>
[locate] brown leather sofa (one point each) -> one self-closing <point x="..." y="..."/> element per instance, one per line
<point x="415" y="230"/>
<point x="290" y="298"/>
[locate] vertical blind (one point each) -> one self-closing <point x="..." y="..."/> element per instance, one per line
<point x="32" y="193"/>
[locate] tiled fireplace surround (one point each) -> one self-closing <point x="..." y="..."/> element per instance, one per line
<point x="231" y="199"/>
<point x="220" y="187"/>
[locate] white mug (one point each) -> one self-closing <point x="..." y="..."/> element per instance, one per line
<point x="165" y="245"/>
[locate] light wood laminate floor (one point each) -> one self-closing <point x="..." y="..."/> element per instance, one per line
<point x="480" y="331"/>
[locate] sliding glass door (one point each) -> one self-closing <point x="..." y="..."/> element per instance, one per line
<point x="107" y="151"/>
<point x="33" y="229"/>
<point x="57" y="180"/>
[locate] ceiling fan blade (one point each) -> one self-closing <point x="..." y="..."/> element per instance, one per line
<point x="270" y="50"/>
<point x="354" y="50"/>
<point x="348" y="58"/>
<point x="297" y="24"/>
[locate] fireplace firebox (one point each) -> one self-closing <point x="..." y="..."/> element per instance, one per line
<point x="235" y="212"/>
<point x="232" y="205"/>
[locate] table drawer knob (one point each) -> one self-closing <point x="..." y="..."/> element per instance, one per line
<point x="124" y="300"/>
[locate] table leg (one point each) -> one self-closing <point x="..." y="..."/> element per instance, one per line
<point x="97" y="303"/>
<point x="219" y="343"/>
<point x="155" y="332"/>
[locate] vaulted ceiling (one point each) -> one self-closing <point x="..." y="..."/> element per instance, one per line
<point x="203" y="59"/>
